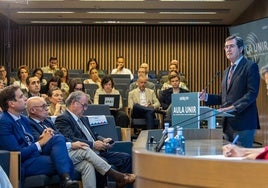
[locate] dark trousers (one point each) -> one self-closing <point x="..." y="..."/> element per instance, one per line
<point x="147" y="113"/>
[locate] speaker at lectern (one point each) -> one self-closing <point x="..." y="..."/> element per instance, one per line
<point x="187" y="113"/>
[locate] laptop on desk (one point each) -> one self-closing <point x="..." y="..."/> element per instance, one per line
<point x="112" y="100"/>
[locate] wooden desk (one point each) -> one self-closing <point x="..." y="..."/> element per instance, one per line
<point x="159" y="170"/>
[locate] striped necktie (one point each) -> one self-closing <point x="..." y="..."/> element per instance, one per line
<point x="230" y="75"/>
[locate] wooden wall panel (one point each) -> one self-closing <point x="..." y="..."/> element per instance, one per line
<point x="198" y="48"/>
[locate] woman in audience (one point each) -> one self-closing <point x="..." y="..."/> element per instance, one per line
<point x="65" y="79"/>
<point x="57" y="106"/>
<point x="107" y="87"/>
<point x="76" y="84"/>
<point x="93" y="77"/>
<point x="23" y="72"/>
<point x="55" y="81"/>
<point x="92" y="63"/>
<point x="38" y="72"/>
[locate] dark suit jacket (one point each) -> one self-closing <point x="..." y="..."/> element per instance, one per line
<point x="13" y="139"/>
<point x="165" y="97"/>
<point x="67" y="125"/>
<point x="242" y="93"/>
<point x="37" y="130"/>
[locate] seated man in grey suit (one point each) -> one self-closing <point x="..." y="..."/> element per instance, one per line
<point x="84" y="159"/>
<point x="75" y="127"/>
<point x="134" y="85"/>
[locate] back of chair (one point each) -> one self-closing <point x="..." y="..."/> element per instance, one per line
<point x="107" y="130"/>
<point x="98" y="109"/>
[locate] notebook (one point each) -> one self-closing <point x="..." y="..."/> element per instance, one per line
<point x="111" y="100"/>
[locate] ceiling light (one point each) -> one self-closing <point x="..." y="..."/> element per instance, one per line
<point x="112" y="0"/>
<point x="45" y="12"/>
<point x="56" y="22"/>
<point x="105" y="12"/>
<point x="196" y="0"/>
<point x="184" y="22"/>
<point x="188" y="12"/>
<point x="118" y="22"/>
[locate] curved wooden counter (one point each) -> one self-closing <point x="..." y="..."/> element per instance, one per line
<point x="159" y="170"/>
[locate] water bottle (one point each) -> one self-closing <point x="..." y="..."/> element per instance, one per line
<point x="181" y="142"/>
<point x="171" y="143"/>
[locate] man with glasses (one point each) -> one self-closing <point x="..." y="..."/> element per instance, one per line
<point x="84" y="159"/>
<point x="75" y="127"/>
<point x="48" y="155"/>
<point x="239" y="90"/>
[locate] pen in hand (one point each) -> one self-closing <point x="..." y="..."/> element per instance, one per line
<point x="235" y="139"/>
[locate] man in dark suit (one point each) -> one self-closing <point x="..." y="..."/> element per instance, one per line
<point x="240" y="87"/>
<point x="46" y="156"/>
<point x="75" y="127"/>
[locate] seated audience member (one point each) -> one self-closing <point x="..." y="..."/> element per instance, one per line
<point x="120" y="69"/>
<point x="146" y="67"/>
<point x="34" y="87"/>
<point x="52" y="66"/>
<point x="23" y="72"/>
<point x="84" y="158"/>
<point x="38" y="72"/>
<point x="4" y="76"/>
<point x="55" y="81"/>
<point x="93" y="77"/>
<point x="143" y="102"/>
<point x="231" y="150"/>
<point x="75" y="127"/>
<point x="107" y="87"/>
<point x="76" y="84"/>
<point x="92" y="63"/>
<point x="165" y="96"/>
<point x="65" y="79"/>
<point x="4" y="181"/>
<point x="48" y="155"/>
<point x="173" y="67"/>
<point x="57" y="106"/>
<point x="134" y="85"/>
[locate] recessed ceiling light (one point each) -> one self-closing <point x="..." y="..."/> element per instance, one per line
<point x="56" y="22"/>
<point x="45" y="12"/>
<point x="184" y="22"/>
<point x="196" y="0"/>
<point x="105" y="12"/>
<point x="188" y="12"/>
<point x="119" y="22"/>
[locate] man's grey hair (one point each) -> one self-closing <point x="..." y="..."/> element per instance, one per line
<point x="75" y="96"/>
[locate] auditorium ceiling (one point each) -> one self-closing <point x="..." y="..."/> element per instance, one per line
<point x="147" y="12"/>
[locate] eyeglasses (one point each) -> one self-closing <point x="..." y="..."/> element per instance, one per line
<point x="44" y="106"/>
<point x="231" y="46"/>
<point x="85" y="106"/>
<point x="80" y="89"/>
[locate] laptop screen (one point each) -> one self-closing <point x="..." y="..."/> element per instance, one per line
<point x="111" y="100"/>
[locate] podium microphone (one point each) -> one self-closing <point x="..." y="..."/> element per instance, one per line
<point x="211" y="81"/>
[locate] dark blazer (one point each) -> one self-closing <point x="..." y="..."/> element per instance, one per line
<point x="242" y="93"/>
<point x="165" y="97"/>
<point x="67" y="125"/>
<point x="13" y="139"/>
<point x="37" y="130"/>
